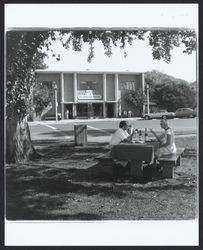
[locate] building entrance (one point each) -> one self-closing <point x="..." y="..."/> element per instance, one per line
<point x="89" y="110"/>
<point x="110" y="109"/>
<point x="82" y="110"/>
<point x="97" y="109"/>
<point x="69" y="111"/>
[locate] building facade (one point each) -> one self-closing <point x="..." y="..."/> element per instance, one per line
<point x="91" y="94"/>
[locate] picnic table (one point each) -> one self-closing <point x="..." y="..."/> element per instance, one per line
<point x="136" y="153"/>
<point x="139" y="155"/>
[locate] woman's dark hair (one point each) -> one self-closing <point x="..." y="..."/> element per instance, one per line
<point x="122" y="124"/>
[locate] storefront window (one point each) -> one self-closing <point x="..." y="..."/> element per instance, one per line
<point x="89" y="90"/>
<point x="90" y="110"/>
<point x="82" y="110"/>
<point x="129" y="85"/>
<point x="89" y="85"/>
<point x="98" y="109"/>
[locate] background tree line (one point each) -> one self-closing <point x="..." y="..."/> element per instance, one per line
<point x="166" y="91"/>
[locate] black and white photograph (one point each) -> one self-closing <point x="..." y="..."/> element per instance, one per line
<point x="101" y="124"/>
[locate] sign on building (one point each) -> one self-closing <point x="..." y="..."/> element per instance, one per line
<point x="88" y="95"/>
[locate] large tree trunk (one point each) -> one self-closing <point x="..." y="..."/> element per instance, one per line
<point x="19" y="148"/>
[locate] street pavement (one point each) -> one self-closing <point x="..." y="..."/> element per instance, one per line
<point x="101" y="130"/>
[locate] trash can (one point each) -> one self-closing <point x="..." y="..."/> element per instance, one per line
<point x="80" y="133"/>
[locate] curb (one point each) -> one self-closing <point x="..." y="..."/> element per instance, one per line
<point x="83" y="120"/>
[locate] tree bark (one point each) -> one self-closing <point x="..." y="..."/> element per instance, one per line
<point x="19" y="148"/>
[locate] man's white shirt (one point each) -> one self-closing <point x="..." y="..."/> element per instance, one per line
<point x="118" y="136"/>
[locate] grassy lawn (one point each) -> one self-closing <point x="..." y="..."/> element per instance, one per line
<point x="65" y="184"/>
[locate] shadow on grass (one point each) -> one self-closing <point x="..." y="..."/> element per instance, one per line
<point x="45" y="193"/>
<point x="44" y="190"/>
<point x="36" y="193"/>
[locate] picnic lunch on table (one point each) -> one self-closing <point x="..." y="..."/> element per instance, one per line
<point x="132" y="150"/>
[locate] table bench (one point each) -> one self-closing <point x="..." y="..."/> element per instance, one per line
<point x="135" y="154"/>
<point x="107" y="163"/>
<point x="169" y="162"/>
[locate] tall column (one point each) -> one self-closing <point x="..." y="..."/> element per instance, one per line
<point x="104" y="95"/>
<point x="148" y="99"/>
<point x="56" y="101"/>
<point x="116" y="87"/>
<point x="75" y="87"/>
<point x="74" y="110"/>
<point x="62" y="95"/>
<point x="116" y="95"/>
<point x="143" y="89"/>
<point x="75" y="94"/>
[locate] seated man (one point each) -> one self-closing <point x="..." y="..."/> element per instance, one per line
<point x="121" y="134"/>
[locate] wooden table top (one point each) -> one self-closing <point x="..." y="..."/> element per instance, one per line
<point x="134" y="151"/>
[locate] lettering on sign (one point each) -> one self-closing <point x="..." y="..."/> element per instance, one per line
<point x="88" y="94"/>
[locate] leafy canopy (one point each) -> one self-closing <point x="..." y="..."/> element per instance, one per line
<point x="23" y="55"/>
<point x="43" y="94"/>
<point x="162" y="41"/>
<point x="170" y="92"/>
<point x="173" y="96"/>
<point x="135" y="98"/>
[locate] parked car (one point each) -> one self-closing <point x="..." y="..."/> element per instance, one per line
<point x="159" y="115"/>
<point x="185" y="112"/>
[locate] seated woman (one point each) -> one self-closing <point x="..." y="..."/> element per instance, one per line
<point x="166" y="140"/>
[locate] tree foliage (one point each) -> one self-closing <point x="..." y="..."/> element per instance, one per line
<point x="169" y="92"/>
<point x="23" y="55"/>
<point x="155" y="77"/>
<point x="135" y="98"/>
<point x="162" y="42"/>
<point x="42" y="96"/>
<point x="174" y="96"/>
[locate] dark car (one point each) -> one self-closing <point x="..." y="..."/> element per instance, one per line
<point x="185" y="112"/>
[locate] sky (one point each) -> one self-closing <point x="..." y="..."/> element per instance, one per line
<point x="110" y="16"/>
<point x="139" y="59"/>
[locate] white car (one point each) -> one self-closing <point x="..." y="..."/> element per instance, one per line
<point x="159" y="115"/>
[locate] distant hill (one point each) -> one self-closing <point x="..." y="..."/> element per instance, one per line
<point x="155" y="77"/>
<point x="169" y="92"/>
